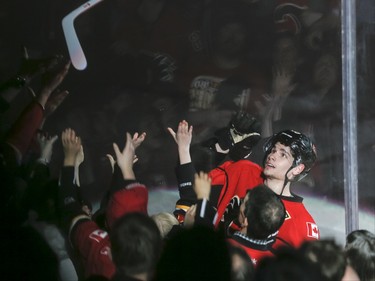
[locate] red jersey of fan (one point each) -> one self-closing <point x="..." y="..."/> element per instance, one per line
<point x="93" y="246"/>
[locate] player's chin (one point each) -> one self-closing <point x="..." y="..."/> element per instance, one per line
<point x="267" y="171"/>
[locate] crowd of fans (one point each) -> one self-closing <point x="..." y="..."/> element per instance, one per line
<point x="232" y="88"/>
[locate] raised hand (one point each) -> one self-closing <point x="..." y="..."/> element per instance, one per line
<point x="184" y="133"/>
<point x="183" y="138"/>
<point x="46" y="145"/>
<point x="112" y="161"/>
<point x="138" y="139"/>
<point x="125" y="157"/>
<point x="190" y="216"/>
<point x="56" y="98"/>
<point x="282" y="81"/>
<point x="79" y="157"/>
<point x="51" y="84"/>
<point x="72" y="146"/>
<point x="202" y="185"/>
<point x="30" y="67"/>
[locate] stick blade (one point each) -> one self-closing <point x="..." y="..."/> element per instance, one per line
<point x="76" y="53"/>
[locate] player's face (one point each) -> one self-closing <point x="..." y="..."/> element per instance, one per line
<point x="278" y="162"/>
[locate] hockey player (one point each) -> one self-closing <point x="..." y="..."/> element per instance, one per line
<point x="289" y="156"/>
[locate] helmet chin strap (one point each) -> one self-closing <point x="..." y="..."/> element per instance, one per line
<point x="286" y="180"/>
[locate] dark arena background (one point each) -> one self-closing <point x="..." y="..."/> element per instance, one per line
<point x="153" y="63"/>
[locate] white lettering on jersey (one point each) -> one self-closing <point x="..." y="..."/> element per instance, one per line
<point x="98" y="235"/>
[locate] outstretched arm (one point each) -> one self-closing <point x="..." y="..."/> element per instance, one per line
<point x="185" y="171"/>
<point x="90" y="242"/>
<point x="28" y="70"/>
<point x="71" y="145"/>
<point x="69" y="202"/>
<point x="51" y="84"/>
<point x="23" y="130"/>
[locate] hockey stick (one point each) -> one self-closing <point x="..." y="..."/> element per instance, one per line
<point x="76" y="53"/>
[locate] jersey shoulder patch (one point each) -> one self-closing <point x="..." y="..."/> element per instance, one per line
<point x="312" y="230"/>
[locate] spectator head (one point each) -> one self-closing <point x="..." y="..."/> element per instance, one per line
<point x="136" y="245"/>
<point x="194" y="254"/>
<point x="360" y="253"/>
<point x="288" y="264"/>
<point x="165" y="221"/>
<point x="328" y="256"/>
<point x="262" y="212"/>
<point x="326" y="71"/>
<point x="133" y="198"/>
<point x="242" y="266"/>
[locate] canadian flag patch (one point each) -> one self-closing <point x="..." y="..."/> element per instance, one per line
<point x="312" y="230"/>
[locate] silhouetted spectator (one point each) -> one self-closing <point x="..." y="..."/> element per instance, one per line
<point x="360" y="252"/>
